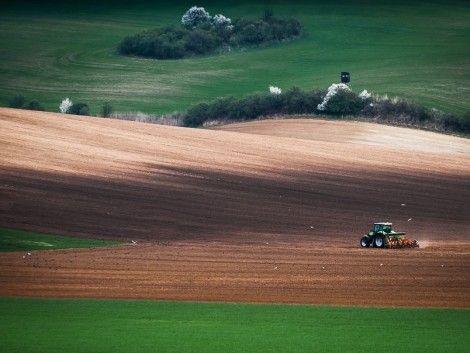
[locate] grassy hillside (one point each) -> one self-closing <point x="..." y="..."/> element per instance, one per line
<point x="417" y="50"/>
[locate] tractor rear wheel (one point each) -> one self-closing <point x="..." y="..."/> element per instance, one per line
<point x="379" y="241"/>
<point x="365" y="241"/>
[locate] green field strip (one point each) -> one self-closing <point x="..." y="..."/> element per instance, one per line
<point x="18" y="240"/>
<point x="48" y="325"/>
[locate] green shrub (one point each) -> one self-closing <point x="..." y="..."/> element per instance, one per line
<point x="79" y="109"/>
<point x="17" y="101"/>
<point x="345" y="103"/>
<point x="106" y="110"/>
<point x="201" y="42"/>
<point x="20" y="102"/>
<point x="457" y="124"/>
<point x="161" y="43"/>
<point x="252" y="107"/>
<point x="196" y="115"/>
<point x="34" y="105"/>
<point x="265" y="30"/>
<point x="386" y="108"/>
<point x="224" y="108"/>
<point x="465" y="123"/>
<point x="251" y="32"/>
<point x="297" y="101"/>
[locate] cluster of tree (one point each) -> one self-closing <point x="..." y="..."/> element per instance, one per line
<point x="293" y="101"/>
<point x="343" y="103"/>
<point x="201" y="34"/>
<point x="264" y="30"/>
<point x="406" y="113"/>
<point x="20" y="102"/>
<point x="66" y="106"/>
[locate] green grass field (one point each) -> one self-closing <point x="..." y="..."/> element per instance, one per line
<point x="17" y="240"/>
<point x="34" y="325"/>
<point x="416" y="50"/>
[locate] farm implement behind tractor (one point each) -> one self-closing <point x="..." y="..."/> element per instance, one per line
<point x="383" y="236"/>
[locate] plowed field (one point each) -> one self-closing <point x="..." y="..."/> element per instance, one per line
<point x="268" y="211"/>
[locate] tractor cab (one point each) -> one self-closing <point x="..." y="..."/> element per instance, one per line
<point x="383" y="227"/>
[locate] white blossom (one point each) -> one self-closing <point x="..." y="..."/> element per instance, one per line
<point x="275" y="90"/>
<point x="65" y="105"/>
<point x="332" y="91"/>
<point x="381" y="98"/>
<point x="222" y="22"/>
<point x="364" y="95"/>
<point x="195" y="16"/>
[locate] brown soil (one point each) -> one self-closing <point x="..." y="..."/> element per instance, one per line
<point x="271" y="211"/>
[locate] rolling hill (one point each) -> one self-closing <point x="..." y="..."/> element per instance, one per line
<point x="269" y="212"/>
<point x="105" y="178"/>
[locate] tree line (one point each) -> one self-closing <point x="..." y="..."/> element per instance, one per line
<point x="344" y="103"/>
<point x="338" y="101"/>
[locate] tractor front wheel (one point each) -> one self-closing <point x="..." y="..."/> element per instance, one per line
<point x="379" y="241"/>
<point x="365" y="241"/>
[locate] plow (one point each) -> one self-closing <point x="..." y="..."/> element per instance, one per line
<point x="383" y="236"/>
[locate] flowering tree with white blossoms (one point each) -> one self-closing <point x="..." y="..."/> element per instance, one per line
<point x="333" y="91"/>
<point x="196" y="16"/>
<point x="65" y="105"/>
<point x="220" y="21"/>
<point x="275" y="90"/>
<point x="222" y="26"/>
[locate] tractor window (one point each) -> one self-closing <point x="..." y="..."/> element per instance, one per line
<point x="387" y="229"/>
<point x="377" y="228"/>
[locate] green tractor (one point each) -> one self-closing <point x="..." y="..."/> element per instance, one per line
<point x="383" y="236"/>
